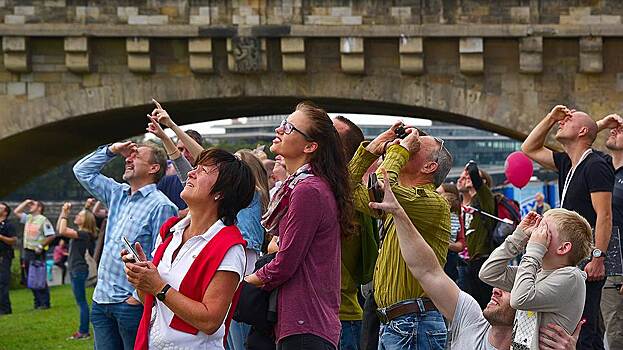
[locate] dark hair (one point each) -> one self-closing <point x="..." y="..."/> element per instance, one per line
<point x="195" y="135"/>
<point x="7" y="209"/>
<point x="328" y="164"/>
<point x="42" y="206"/>
<point x="158" y="156"/>
<point x="235" y="182"/>
<point x="352" y="138"/>
<point x="454" y="198"/>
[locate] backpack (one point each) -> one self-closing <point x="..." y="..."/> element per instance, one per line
<point x="505" y="208"/>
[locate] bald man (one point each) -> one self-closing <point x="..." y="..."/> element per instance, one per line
<point x="585" y="182"/>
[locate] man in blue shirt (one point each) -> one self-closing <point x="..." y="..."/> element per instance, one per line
<point x="136" y="210"/>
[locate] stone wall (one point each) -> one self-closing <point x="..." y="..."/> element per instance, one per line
<point x="73" y="72"/>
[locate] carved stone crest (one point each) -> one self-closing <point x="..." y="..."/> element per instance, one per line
<point x="246" y="54"/>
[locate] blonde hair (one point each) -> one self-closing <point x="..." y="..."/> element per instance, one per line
<point x="259" y="172"/>
<point x="572" y="227"/>
<point x="89" y="224"/>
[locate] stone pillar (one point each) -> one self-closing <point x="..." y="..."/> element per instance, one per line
<point x="531" y="55"/>
<point x="591" y="56"/>
<point x="139" y="59"/>
<point x="352" y="55"/>
<point x="200" y="50"/>
<point x="411" y="55"/>
<point x="471" y="51"/>
<point x="77" y="54"/>
<point x="293" y="55"/>
<point x="16" y="54"/>
<point x="246" y="54"/>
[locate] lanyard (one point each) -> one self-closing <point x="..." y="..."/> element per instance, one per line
<point x="570" y="176"/>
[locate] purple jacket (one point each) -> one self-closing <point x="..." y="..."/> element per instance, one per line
<point x="307" y="266"/>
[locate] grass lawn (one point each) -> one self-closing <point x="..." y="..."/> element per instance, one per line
<point x="33" y="329"/>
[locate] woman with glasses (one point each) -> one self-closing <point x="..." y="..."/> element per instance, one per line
<point x="309" y="213"/>
<point x="199" y="261"/>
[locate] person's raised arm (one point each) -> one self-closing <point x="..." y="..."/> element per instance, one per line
<point x="419" y="256"/>
<point x="366" y="155"/>
<point x="534" y="145"/>
<point x="611" y="121"/>
<point x="495" y="271"/>
<point x="163" y="118"/>
<point x="19" y="210"/>
<point x="61" y="223"/>
<point x="87" y="170"/>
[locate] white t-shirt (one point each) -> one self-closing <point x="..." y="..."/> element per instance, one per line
<point x="161" y="335"/>
<point x="469" y="329"/>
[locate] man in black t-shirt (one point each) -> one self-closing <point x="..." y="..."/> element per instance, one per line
<point x="611" y="301"/>
<point x="585" y="181"/>
<point x="7" y="241"/>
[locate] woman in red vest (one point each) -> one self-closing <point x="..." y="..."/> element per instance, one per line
<point x="199" y="261"/>
<point x="308" y="213"/>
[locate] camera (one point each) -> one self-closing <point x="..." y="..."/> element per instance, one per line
<point x="401" y="131"/>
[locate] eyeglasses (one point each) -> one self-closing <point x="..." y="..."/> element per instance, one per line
<point x="440" y="142"/>
<point x="288" y="128"/>
<point x="200" y="168"/>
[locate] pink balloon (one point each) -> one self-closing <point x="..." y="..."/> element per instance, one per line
<point x="518" y="169"/>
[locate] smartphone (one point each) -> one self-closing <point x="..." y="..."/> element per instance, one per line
<point x="374" y="191"/>
<point x="130" y="247"/>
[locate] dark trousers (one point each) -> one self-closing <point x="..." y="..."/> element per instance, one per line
<point x="591" y="335"/>
<point x="475" y="287"/>
<point x="370" y="325"/>
<point x="451" y="267"/>
<point x="41" y="296"/>
<point x="5" y="281"/>
<point x="304" y="342"/>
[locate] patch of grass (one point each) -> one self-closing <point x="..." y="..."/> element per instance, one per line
<point x="27" y="328"/>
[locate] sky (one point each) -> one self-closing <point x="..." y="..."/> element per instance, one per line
<point x="215" y="127"/>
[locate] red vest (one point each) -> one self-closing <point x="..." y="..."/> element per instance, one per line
<point x="196" y="281"/>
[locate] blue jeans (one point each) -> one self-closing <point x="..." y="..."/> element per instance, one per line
<point x="115" y="325"/>
<point x="237" y="336"/>
<point x="78" y="280"/>
<point x="350" y="335"/>
<point x="414" y="332"/>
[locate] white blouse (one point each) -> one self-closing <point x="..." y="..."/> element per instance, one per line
<point x="161" y="335"/>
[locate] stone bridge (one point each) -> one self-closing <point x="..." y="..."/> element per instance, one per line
<point x="74" y="74"/>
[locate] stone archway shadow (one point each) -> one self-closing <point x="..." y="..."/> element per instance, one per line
<point x="49" y="131"/>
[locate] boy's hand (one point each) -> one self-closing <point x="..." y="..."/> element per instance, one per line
<point x="541" y="235"/>
<point x="530" y="222"/>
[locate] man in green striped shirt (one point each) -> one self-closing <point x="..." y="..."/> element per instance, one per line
<point x="416" y="166"/>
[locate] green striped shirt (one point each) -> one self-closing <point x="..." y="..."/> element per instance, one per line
<point x="429" y="212"/>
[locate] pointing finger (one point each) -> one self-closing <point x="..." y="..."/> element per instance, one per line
<point x="156" y="103"/>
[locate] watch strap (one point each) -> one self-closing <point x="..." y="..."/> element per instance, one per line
<point x="161" y="296"/>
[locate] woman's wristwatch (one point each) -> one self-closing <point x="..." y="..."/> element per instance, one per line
<point x="163" y="293"/>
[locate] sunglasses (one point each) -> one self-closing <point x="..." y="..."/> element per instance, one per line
<point x="288" y="128"/>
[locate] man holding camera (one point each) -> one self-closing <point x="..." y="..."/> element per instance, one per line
<point x="416" y="165"/>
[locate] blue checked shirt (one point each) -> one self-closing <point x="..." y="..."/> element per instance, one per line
<point x="137" y="216"/>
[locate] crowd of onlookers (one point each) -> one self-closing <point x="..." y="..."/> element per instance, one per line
<point x="336" y="243"/>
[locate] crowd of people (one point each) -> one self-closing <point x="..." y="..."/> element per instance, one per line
<point x="337" y="243"/>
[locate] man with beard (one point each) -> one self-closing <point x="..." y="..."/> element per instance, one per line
<point x="585" y="181"/>
<point x="136" y="210"/>
<point x="470" y="328"/>
<point x="611" y="301"/>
